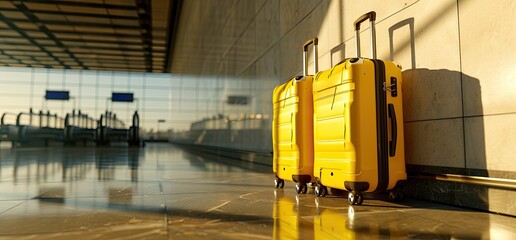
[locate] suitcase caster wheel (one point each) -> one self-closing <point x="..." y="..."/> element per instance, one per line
<point x="320" y="190"/>
<point x="279" y="183"/>
<point x="396" y="196"/>
<point x="301" y="188"/>
<point x="355" y="198"/>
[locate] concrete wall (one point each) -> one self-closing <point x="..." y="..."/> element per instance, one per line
<point x="458" y="66"/>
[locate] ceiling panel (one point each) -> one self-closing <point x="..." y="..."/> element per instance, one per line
<point x="117" y="35"/>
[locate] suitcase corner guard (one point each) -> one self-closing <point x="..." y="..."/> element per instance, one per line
<point x="302" y="178"/>
<point x="356" y="186"/>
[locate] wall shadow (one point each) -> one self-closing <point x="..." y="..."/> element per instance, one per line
<point x="440" y="136"/>
<point x="341" y="49"/>
<point x="410" y="23"/>
<point x="443" y="142"/>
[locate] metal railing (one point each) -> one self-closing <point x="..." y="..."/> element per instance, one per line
<point x="31" y="127"/>
<point x="41" y="119"/>
<point x="110" y="120"/>
<point x="8" y="119"/>
<point x="80" y="120"/>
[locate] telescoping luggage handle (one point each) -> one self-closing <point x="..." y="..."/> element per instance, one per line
<point x="392" y="113"/>
<point x="313" y="41"/>
<point x="372" y="18"/>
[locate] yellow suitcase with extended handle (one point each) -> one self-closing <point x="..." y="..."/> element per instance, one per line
<point x="358" y="125"/>
<point x="292" y="127"/>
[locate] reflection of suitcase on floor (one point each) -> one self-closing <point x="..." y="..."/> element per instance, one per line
<point x="286" y="218"/>
<point x="333" y="224"/>
<point x="358" y="125"/>
<point x="292" y="128"/>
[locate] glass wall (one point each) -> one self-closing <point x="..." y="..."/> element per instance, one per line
<point x="90" y="92"/>
<point x="163" y="101"/>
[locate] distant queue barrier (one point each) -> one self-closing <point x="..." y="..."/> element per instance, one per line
<point x="36" y="128"/>
<point x="110" y="129"/>
<point x="32" y="127"/>
<point x="7" y="122"/>
<point x="79" y="127"/>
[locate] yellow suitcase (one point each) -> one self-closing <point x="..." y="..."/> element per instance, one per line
<point x="292" y="128"/>
<point x="358" y="125"/>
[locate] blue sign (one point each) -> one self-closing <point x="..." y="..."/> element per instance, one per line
<point x="122" y="97"/>
<point x="57" y="95"/>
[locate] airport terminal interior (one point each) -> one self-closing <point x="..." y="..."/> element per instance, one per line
<point x="206" y="119"/>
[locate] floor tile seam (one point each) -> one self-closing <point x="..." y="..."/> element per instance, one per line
<point x="59" y="233"/>
<point x="165" y="209"/>
<point x="15" y="200"/>
<point x="7" y="210"/>
<point x="86" y="197"/>
<point x="232" y="185"/>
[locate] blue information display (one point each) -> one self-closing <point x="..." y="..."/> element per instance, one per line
<point x="122" y="97"/>
<point x="57" y="95"/>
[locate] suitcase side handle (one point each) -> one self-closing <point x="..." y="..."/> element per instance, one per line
<point x="315" y="42"/>
<point x="372" y="18"/>
<point x="394" y="130"/>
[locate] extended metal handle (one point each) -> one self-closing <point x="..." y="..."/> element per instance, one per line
<point x="313" y="41"/>
<point x="372" y="18"/>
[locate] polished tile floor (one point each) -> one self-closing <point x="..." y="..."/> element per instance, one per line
<point x="163" y="192"/>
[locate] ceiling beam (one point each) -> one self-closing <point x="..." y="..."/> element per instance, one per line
<point x="146" y="34"/>
<point x="174" y="14"/>
<point x="83" y="4"/>
<point x="13" y="26"/>
<point x="99" y="53"/>
<point x="23" y="8"/>
<point x="125" y="37"/>
<point x="118" y="35"/>
<point x="121" y="41"/>
<point x="67" y="48"/>
<point x="72" y="23"/>
<point x="75" y="14"/>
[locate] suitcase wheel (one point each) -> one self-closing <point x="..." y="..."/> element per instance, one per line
<point x="279" y="183"/>
<point x="355" y="198"/>
<point x="301" y="188"/>
<point x="320" y="190"/>
<point x="395" y="196"/>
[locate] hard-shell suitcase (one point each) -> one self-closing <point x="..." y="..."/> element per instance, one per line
<point x="292" y="127"/>
<point x="358" y="125"/>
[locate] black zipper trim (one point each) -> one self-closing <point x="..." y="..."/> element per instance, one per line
<point x="381" y="126"/>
